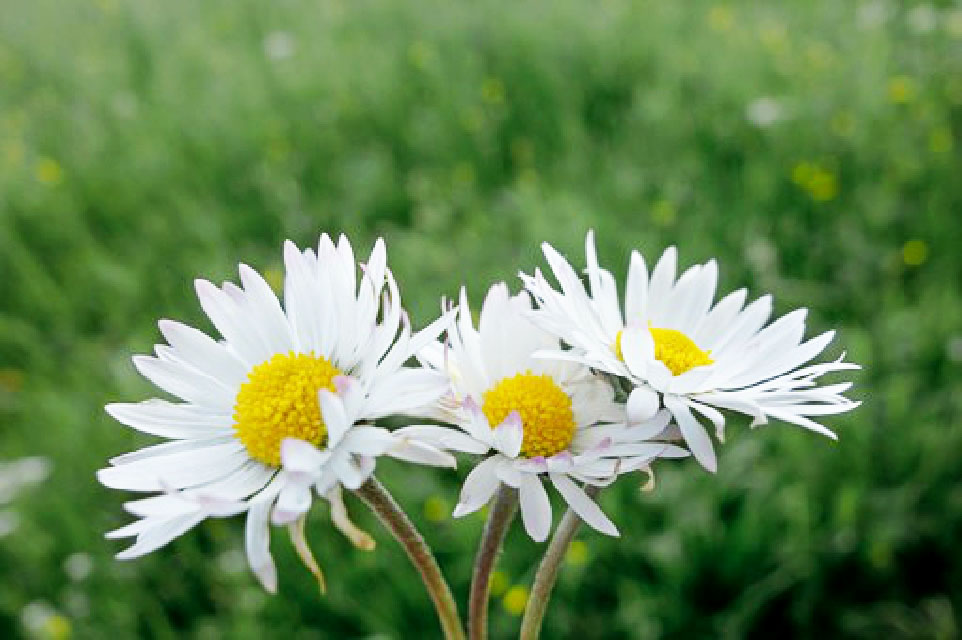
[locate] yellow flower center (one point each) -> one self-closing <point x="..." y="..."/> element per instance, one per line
<point x="279" y="400"/>
<point x="674" y="349"/>
<point x="546" y="415"/>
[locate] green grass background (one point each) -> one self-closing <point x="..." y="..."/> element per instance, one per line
<point x="145" y="144"/>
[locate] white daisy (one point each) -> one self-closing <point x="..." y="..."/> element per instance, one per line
<point x="533" y="416"/>
<point x="677" y="348"/>
<point x="307" y="372"/>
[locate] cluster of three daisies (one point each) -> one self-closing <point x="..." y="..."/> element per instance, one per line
<point x="563" y="385"/>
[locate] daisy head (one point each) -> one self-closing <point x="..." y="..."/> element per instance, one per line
<point x="531" y="417"/>
<point x="291" y="382"/>
<point x="680" y="349"/>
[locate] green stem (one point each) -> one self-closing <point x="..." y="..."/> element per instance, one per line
<point x="502" y="512"/>
<point x="548" y="572"/>
<point x="382" y="503"/>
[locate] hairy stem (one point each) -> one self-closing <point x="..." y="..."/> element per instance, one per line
<point x="503" y="508"/>
<point x="382" y="503"/>
<point x="548" y="572"/>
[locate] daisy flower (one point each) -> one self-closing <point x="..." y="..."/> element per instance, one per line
<point x="677" y="348"/>
<point x="531" y="417"/>
<point x="280" y="378"/>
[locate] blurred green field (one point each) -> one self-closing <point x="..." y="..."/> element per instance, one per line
<point x="813" y="147"/>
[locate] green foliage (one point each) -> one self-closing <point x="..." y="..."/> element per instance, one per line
<point x="813" y="147"/>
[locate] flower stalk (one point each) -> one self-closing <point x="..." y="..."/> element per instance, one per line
<point x="503" y="508"/>
<point x="397" y="522"/>
<point x="547" y="575"/>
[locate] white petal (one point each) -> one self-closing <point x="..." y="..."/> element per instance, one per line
<point x="745" y="325"/>
<point x="257" y="542"/>
<point x="369" y="441"/>
<point x="421" y="453"/>
<point x="713" y="414"/>
<point x="231" y="323"/>
<point x="567" y="277"/>
<point x="646" y="450"/>
<point x="719" y="319"/>
<point x="525" y="466"/>
<point x="694" y="433"/>
<point x="795" y="418"/>
<point x="398" y="352"/>
<point x="508" y="473"/>
<point x="185" y="382"/>
<point x="265" y="311"/>
<point x="168" y="448"/>
<point x="336" y="420"/>
<point x="406" y="392"/>
<point x="302" y="457"/>
<point x="159" y="535"/>
<point x="509" y="435"/>
<point x="643" y="404"/>
<point x="592" y="397"/>
<point x="590" y="437"/>
<point x="605" y="468"/>
<point x="430" y="333"/>
<point x="164" y="505"/>
<point x="377" y="264"/>
<point x="300" y="294"/>
<point x="636" y="291"/>
<point x="647" y="430"/>
<point x="493" y="327"/>
<point x="478" y="487"/>
<point x="557" y="354"/>
<point x="293" y="501"/>
<point x="736" y="402"/>
<point x="366" y="464"/>
<point x="535" y="507"/>
<point x="477" y="424"/>
<point x="658" y="375"/>
<point x="694" y="380"/>
<point x="660" y="287"/>
<point x="700" y="298"/>
<point x="785" y="358"/>
<point x="250" y="478"/>
<point x="203" y="352"/>
<point x="137" y="527"/>
<point x="638" y="350"/>
<point x="219" y="507"/>
<point x="564" y="461"/>
<point x="177" y="470"/>
<point x="432" y="355"/>
<point x="351" y="392"/>
<point x="349" y="472"/>
<point x="169" y="420"/>
<point x="443" y="438"/>
<point x="385" y="333"/>
<point x="604" y="293"/>
<point x="585" y="507"/>
<point x="326" y="482"/>
<point x="215" y="498"/>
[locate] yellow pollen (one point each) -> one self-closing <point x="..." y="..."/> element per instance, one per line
<point x="546" y="415"/>
<point x="674" y="349"/>
<point x="279" y="400"/>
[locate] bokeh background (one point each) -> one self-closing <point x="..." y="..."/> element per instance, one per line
<point x="813" y="147"/>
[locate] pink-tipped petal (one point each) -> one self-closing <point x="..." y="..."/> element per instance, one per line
<point x="509" y="435"/>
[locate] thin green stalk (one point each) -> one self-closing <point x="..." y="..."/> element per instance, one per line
<point x="382" y="503"/>
<point x="547" y="574"/>
<point x="500" y="516"/>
